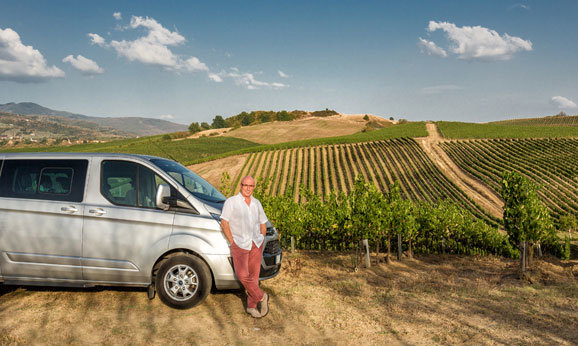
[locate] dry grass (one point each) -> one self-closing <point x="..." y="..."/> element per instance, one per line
<point x="212" y="171"/>
<point x="306" y="128"/>
<point x="319" y="299"/>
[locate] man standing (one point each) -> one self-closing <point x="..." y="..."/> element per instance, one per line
<point x="243" y="221"/>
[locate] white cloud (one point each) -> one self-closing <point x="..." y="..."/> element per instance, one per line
<point x="20" y="63"/>
<point x="167" y="116"/>
<point x="479" y="43"/>
<point x="438" y="89"/>
<point x="97" y="39"/>
<point x="194" y="64"/>
<point x="215" y="77"/>
<point x="153" y="48"/>
<point x="562" y="102"/>
<point x="117" y="15"/>
<point x="518" y="5"/>
<point x="244" y="79"/>
<point x="84" y="65"/>
<point x="431" y="48"/>
<point x="283" y="74"/>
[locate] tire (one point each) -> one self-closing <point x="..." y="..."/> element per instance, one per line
<point x="183" y="281"/>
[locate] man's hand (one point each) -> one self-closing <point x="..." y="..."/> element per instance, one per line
<point x="263" y="229"/>
<point x="227" y="231"/>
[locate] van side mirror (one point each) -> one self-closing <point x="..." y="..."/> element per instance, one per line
<point x="163" y="196"/>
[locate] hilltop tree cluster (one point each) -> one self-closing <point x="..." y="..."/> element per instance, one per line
<point x="254" y="118"/>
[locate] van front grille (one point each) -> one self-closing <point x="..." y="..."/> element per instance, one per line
<point x="272" y="247"/>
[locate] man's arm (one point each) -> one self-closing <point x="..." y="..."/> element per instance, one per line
<point x="227" y="230"/>
<point x="263" y="229"/>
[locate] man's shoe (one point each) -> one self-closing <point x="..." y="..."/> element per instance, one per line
<point x="264" y="305"/>
<point x="254" y="312"/>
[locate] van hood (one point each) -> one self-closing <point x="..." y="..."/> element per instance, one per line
<point x="213" y="207"/>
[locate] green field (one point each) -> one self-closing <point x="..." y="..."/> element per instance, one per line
<point x="185" y="151"/>
<point x="456" y="130"/>
<point x="190" y="151"/>
<point x="414" y="129"/>
<point x="555" y="120"/>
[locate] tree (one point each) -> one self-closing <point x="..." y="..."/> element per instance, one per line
<point x="264" y="117"/>
<point x="247" y="118"/>
<point x="391" y="118"/>
<point x="284" y="116"/>
<point x="205" y="126"/>
<point x="194" y="127"/>
<point x="568" y="223"/>
<point x="526" y="219"/>
<point x="218" y="122"/>
<point x="366" y="117"/>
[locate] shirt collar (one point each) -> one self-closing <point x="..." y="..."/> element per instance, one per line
<point x="241" y="196"/>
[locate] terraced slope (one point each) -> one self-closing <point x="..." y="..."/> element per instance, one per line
<point x="334" y="167"/>
<point x="550" y="163"/>
<point x="473" y="187"/>
<point x="555" y="120"/>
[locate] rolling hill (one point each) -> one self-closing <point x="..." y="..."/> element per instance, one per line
<point x="466" y="171"/>
<point x="122" y="126"/>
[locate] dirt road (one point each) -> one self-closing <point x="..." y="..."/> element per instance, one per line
<point x="475" y="189"/>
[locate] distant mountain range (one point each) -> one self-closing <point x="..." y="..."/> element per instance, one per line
<point x="119" y="126"/>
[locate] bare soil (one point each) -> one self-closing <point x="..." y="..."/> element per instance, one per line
<point x="486" y="197"/>
<point x="212" y="171"/>
<point x="319" y="299"/>
<point x="306" y="128"/>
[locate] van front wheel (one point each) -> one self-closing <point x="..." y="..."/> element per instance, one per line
<point x="183" y="281"/>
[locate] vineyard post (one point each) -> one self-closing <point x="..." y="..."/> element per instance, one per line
<point x="366" y="251"/>
<point x="399" y="246"/>
<point x="377" y="251"/>
<point x="530" y="254"/>
<point x="539" y="250"/>
<point x="389" y="248"/>
<point x="292" y="244"/>
<point x="523" y="256"/>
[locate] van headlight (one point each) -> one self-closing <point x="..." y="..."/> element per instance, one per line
<point x="271" y="231"/>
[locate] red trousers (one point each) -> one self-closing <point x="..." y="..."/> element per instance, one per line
<point x="247" y="267"/>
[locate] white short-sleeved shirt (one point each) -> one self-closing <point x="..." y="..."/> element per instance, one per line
<point x="244" y="220"/>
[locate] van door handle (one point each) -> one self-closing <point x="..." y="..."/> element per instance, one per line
<point x="97" y="211"/>
<point x="71" y="209"/>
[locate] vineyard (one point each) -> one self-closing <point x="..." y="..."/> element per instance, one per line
<point x="549" y="163"/>
<point x="555" y="120"/>
<point x="325" y="168"/>
<point x="514" y="129"/>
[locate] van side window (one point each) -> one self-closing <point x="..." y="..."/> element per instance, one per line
<point x="59" y="180"/>
<point x="55" y="180"/>
<point x="128" y="183"/>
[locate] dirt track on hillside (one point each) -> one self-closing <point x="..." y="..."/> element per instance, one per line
<point x="475" y="189"/>
<point x="318" y="299"/>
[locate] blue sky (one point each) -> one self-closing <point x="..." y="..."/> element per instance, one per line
<point x="188" y="61"/>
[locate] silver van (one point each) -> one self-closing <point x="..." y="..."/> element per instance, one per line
<point x="88" y="219"/>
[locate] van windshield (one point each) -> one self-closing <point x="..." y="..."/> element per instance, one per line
<point x="196" y="185"/>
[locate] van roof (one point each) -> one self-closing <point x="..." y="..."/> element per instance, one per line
<point x="51" y="155"/>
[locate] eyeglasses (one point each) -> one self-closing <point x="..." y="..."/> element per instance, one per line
<point x="247" y="185"/>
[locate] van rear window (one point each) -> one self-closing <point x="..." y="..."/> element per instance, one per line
<point x="59" y="180"/>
